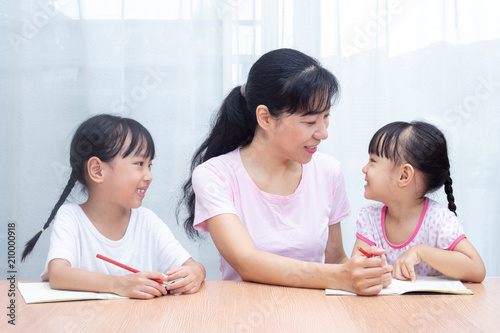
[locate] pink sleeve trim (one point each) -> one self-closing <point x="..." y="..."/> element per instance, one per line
<point x="364" y="239"/>
<point x="452" y="246"/>
<point x="202" y="226"/>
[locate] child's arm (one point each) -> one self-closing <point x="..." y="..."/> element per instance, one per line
<point x="191" y="275"/>
<point x="137" y="285"/>
<point x="463" y="263"/>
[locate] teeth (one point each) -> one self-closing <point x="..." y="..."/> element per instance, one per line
<point x="311" y="147"/>
<point x="140" y="191"/>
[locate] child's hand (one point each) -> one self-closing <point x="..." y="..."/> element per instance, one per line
<point x="191" y="275"/>
<point x="404" y="267"/>
<point x="140" y="285"/>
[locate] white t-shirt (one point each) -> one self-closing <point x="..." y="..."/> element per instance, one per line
<point x="437" y="227"/>
<point x="294" y="226"/>
<point x="148" y="244"/>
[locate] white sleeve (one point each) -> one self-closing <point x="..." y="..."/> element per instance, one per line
<point x="170" y="252"/>
<point x="64" y="240"/>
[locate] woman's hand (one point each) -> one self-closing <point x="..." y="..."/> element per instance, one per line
<point x="367" y="276"/>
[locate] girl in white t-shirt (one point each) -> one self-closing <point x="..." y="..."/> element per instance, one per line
<point x="271" y="202"/>
<point x="421" y="237"/>
<point x="111" y="157"/>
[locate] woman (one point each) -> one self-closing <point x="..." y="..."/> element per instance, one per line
<point x="271" y="203"/>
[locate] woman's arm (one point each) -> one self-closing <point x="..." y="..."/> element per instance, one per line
<point x="334" y="251"/>
<point x="359" y="274"/>
<point x="137" y="285"/>
<point x="463" y="263"/>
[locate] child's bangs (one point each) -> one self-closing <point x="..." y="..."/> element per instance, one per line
<point x="385" y="142"/>
<point x="141" y="142"/>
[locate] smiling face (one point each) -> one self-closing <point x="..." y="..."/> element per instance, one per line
<point x="381" y="177"/>
<point x="128" y="178"/>
<point x="297" y="137"/>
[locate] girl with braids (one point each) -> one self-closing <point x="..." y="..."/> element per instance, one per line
<point x="111" y="157"/>
<point x="407" y="161"/>
<point x="271" y="203"/>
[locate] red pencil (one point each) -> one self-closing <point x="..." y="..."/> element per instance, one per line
<point x="369" y="255"/>
<point x="133" y="270"/>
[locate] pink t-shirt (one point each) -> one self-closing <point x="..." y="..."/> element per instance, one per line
<point x="437" y="227"/>
<point x="294" y="226"/>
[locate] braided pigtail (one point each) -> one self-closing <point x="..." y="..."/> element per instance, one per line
<point x="67" y="190"/>
<point x="103" y="136"/>
<point x="449" y="194"/>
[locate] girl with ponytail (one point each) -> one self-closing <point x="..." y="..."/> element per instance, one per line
<point x="111" y="157"/>
<point x="407" y="161"/>
<point x="271" y="202"/>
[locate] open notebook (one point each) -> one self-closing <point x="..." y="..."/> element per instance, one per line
<point x="40" y="292"/>
<point x="423" y="284"/>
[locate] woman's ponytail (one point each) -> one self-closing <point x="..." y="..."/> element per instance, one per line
<point x="286" y="81"/>
<point x="233" y="127"/>
<point x="67" y="190"/>
<point x="449" y="194"/>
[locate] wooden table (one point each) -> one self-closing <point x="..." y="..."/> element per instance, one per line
<point x="230" y="306"/>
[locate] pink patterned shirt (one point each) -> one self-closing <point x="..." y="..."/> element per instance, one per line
<point x="437" y="227"/>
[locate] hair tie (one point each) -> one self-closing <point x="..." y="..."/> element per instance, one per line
<point x="242" y="90"/>
<point x="43" y="230"/>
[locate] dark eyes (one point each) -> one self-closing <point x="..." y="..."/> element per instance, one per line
<point x="142" y="163"/>
<point x="325" y="116"/>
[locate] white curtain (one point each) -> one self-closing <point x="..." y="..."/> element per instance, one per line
<point x="169" y="63"/>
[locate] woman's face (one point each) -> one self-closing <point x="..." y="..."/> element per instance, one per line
<point x="296" y="137"/>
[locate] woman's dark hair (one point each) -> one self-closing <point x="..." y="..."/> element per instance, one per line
<point x="423" y="146"/>
<point x="286" y="81"/>
<point x="102" y="136"/>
